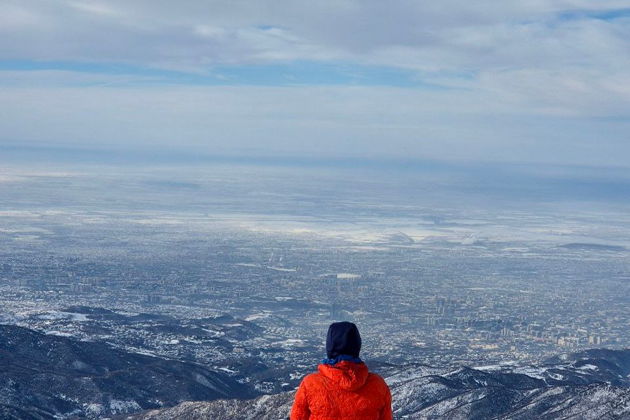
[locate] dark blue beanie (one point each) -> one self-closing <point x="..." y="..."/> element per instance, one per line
<point x="343" y="338"/>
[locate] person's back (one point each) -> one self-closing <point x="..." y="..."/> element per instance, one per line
<point x="343" y="388"/>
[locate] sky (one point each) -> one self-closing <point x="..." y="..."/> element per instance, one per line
<point x="533" y="81"/>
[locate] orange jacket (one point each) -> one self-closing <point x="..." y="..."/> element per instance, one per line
<point x="344" y="391"/>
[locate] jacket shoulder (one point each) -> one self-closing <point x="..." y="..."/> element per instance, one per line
<point x="378" y="382"/>
<point x="312" y="380"/>
<point x="376" y="378"/>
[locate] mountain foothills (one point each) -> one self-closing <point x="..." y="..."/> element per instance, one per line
<point x="593" y="384"/>
<point x="47" y="376"/>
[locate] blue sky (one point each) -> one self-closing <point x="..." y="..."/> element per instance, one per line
<point x="278" y="74"/>
<point x="534" y="81"/>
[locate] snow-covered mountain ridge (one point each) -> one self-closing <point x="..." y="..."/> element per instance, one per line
<point x="50" y="377"/>
<point x="592" y="384"/>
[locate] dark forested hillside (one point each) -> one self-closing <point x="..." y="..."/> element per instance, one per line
<point x="44" y="376"/>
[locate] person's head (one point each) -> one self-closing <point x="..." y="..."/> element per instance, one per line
<point x="343" y="338"/>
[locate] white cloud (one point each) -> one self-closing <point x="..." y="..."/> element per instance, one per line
<point x="519" y="72"/>
<point x="308" y="121"/>
<point x="442" y="34"/>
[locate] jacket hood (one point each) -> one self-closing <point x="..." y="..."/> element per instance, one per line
<point x="345" y="375"/>
<point x="343" y="338"/>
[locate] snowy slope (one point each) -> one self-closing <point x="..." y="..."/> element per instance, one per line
<point x="589" y="385"/>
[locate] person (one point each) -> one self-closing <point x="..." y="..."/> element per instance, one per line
<point x="343" y="388"/>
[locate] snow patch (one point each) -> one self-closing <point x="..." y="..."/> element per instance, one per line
<point x="291" y="270"/>
<point x="120" y="406"/>
<point x="348" y="276"/>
